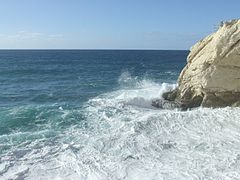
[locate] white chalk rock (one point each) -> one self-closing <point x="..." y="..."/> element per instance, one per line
<point x="211" y="77"/>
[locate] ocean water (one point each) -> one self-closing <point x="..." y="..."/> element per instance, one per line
<point x="87" y="115"/>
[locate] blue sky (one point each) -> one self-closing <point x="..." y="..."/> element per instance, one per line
<point x="110" y="24"/>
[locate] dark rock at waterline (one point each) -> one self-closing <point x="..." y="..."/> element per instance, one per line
<point x="221" y="99"/>
<point x="210" y="99"/>
<point x="164" y="104"/>
<point x="170" y="96"/>
<point x="189" y="101"/>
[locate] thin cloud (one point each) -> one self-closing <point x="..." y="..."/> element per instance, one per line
<point x="26" y="39"/>
<point x="26" y="35"/>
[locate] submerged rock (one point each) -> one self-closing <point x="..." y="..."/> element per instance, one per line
<point x="163" y="104"/>
<point x="211" y="77"/>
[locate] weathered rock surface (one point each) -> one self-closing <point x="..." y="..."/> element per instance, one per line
<point x="211" y="77"/>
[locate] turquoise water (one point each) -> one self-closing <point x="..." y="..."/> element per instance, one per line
<point x="86" y="114"/>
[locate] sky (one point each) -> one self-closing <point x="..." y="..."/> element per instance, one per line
<point x="110" y="24"/>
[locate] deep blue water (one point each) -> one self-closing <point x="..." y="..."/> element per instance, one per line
<point x="87" y="115"/>
<point x="70" y="77"/>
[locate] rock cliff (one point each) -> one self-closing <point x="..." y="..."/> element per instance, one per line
<point x="211" y="77"/>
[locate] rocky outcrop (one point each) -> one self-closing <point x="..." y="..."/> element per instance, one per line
<point x="211" y="77"/>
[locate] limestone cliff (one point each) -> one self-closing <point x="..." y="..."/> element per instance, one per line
<point x="211" y="77"/>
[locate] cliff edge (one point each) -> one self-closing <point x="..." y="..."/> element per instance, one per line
<point x="211" y="77"/>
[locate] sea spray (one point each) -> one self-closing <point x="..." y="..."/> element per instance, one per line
<point x="124" y="139"/>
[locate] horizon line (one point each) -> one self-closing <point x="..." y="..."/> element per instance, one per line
<point x="97" y="49"/>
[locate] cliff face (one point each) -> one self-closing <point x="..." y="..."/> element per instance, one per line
<point x="211" y="77"/>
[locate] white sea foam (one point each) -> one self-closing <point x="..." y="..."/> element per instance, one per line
<point x="125" y="138"/>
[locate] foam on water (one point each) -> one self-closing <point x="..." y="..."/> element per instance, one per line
<point x="123" y="137"/>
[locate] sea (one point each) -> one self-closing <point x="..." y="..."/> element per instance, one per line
<point x="87" y="115"/>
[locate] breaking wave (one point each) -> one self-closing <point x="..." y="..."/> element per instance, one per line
<point x="119" y="135"/>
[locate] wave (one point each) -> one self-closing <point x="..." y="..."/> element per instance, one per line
<point x="123" y="137"/>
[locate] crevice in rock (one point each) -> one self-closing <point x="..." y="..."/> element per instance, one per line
<point x="229" y="66"/>
<point x="231" y="48"/>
